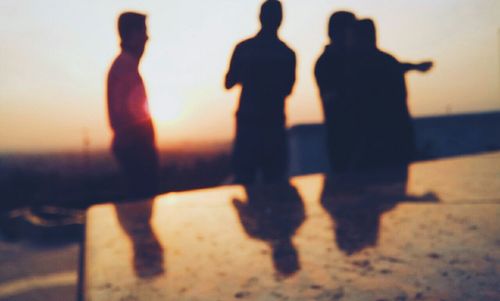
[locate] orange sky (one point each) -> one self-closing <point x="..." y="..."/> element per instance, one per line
<point x="54" y="59"/>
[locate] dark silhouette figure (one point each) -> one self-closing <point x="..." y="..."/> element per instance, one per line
<point x="331" y="71"/>
<point x="133" y="143"/>
<point x="135" y="218"/>
<point x="273" y="213"/>
<point x="356" y="201"/>
<point x="363" y="94"/>
<point x="384" y="131"/>
<point x="264" y="66"/>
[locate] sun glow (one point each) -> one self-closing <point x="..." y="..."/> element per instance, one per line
<point x="166" y="108"/>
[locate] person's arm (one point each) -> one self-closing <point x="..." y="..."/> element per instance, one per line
<point x="422" y="67"/>
<point x="291" y="78"/>
<point x="233" y="75"/>
<point x="319" y="73"/>
<point x="118" y="87"/>
<point x="324" y="80"/>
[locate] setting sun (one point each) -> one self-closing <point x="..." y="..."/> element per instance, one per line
<point x="166" y="108"/>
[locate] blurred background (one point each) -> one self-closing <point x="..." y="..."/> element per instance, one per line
<point x="54" y="61"/>
<point x="55" y="137"/>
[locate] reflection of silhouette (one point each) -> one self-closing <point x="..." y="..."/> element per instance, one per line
<point x="134" y="139"/>
<point x="135" y="218"/>
<point x="273" y="213"/>
<point x="364" y="98"/>
<point x="265" y="68"/>
<point x="356" y="202"/>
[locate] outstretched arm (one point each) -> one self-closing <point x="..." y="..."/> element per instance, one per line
<point x="422" y="67"/>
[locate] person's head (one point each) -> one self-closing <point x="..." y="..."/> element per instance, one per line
<point x="340" y="24"/>
<point x="365" y="34"/>
<point x="133" y="32"/>
<point x="271" y="15"/>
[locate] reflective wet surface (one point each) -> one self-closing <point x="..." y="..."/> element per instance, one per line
<point x="429" y="232"/>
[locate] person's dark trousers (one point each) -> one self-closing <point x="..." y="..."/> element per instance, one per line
<point x="274" y="154"/>
<point x="339" y="146"/>
<point x="260" y="146"/>
<point x="137" y="156"/>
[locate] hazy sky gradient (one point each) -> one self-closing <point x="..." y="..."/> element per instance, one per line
<point x="55" y="54"/>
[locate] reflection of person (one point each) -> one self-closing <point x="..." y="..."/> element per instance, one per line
<point x="273" y="213"/>
<point x="265" y="68"/>
<point x="135" y="219"/>
<point x="356" y="202"/>
<point x="134" y="139"/>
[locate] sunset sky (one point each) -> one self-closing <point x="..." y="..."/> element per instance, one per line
<point x="54" y="57"/>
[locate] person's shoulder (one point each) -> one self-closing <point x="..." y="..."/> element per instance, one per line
<point x="244" y="47"/>
<point x="287" y="48"/>
<point x="284" y="50"/>
<point x="387" y="57"/>
<point x="330" y="54"/>
<point x="123" y="70"/>
<point x="246" y="43"/>
<point x="325" y="53"/>
<point x="115" y="68"/>
<point x="121" y="66"/>
<point x="116" y="62"/>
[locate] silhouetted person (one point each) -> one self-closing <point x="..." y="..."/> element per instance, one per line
<point x="356" y="202"/>
<point x="332" y="77"/>
<point x="363" y="93"/>
<point x="384" y="130"/>
<point x="265" y="68"/>
<point x="133" y="143"/>
<point x="135" y="219"/>
<point x="273" y="213"/>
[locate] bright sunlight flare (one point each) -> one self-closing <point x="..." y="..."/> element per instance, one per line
<point x="165" y="108"/>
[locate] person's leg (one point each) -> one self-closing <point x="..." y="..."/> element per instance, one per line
<point x="244" y="166"/>
<point x="138" y="160"/>
<point x="146" y="162"/>
<point x="244" y="155"/>
<point x="337" y="147"/>
<point x="146" y="171"/>
<point x="124" y="157"/>
<point x="274" y="154"/>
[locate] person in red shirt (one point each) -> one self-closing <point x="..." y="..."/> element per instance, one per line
<point x="133" y="145"/>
